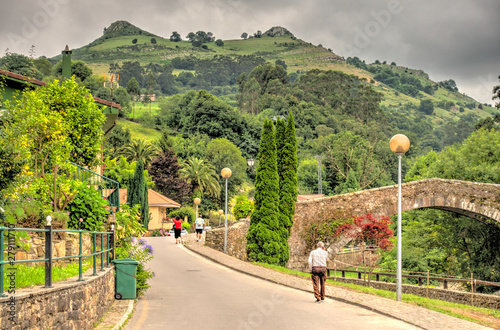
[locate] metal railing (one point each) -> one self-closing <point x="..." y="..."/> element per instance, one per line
<point x="109" y="251"/>
<point x="420" y="277"/>
<point x="108" y="188"/>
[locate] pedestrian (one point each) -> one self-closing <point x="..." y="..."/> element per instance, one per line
<point x="317" y="264"/>
<point x="177" y="228"/>
<point x="200" y="226"/>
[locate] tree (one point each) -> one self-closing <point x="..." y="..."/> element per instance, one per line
<point x="426" y="106"/>
<point x="136" y="193"/>
<point x="244" y="35"/>
<point x="266" y="237"/>
<point x="351" y="184"/>
<point x="43" y="65"/>
<point x="223" y="153"/>
<point x="282" y="63"/>
<point x="175" y="37"/>
<point x="116" y="139"/>
<point x="78" y="68"/>
<point x="287" y="170"/>
<point x="153" y="41"/>
<point x="496" y="94"/>
<point x="134" y="41"/>
<point x="134" y="90"/>
<point x="202" y="176"/>
<point x="120" y="170"/>
<point x="165" y="171"/>
<point x="139" y="150"/>
<point x="219" y="42"/>
<point x="20" y="64"/>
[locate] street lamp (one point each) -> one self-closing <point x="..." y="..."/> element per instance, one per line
<point x="197" y="202"/>
<point x="399" y="144"/>
<point x="226" y="174"/>
<point x="250" y="162"/>
<point x="220" y="214"/>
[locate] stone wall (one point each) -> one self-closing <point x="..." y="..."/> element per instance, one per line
<point x="236" y="239"/>
<point x="67" y="305"/>
<point x="466" y="298"/>
<point x="64" y="244"/>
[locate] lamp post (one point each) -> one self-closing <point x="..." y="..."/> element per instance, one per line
<point x="197" y="202"/>
<point x="220" y="214"/>
<point x="399" y="144"/>
<point x="226" y="174"/>
<point x="250" y="162"/>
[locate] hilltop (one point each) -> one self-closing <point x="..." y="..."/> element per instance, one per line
<point x="403" y="88"/>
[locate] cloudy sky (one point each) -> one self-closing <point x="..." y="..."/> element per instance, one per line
<point x="449" y="39"/>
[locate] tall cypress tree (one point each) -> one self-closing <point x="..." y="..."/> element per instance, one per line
<point x="136" y="192"/>
<point x="288" y="174"/>
<point x="265" y="238"/>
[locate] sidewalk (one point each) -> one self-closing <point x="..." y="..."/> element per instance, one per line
<point x="417" y="316"/>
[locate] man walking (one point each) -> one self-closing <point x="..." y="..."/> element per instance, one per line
<point x="317" y="264"/>
<point x="200" y="225"/>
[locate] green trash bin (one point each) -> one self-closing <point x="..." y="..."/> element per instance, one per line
<point x="126" y="278"/>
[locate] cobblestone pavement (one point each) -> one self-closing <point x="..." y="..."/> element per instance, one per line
<point x="417" y="316"/>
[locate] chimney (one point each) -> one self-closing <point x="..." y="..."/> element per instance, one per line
<point x="66" y="65"/>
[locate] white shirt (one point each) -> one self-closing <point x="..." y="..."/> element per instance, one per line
<point x="199" y="223"/>
<point x="317" y="258"/>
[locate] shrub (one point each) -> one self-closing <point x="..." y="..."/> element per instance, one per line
<point x="159" y="232"/>
<point x="88" y="210"/>
<point x="243" y="207"/>
<point x="183" y="212"/>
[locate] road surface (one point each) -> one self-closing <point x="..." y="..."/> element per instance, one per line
<point x="191" y="292"/>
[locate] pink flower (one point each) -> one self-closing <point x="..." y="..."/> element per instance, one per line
<point x="81" y="220"/>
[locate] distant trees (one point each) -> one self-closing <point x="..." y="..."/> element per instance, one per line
<point x="282" y="63"/>
<point x="449" y="85"/>
<point x="202" y="176"/>
<point x="258" y="34"/>
<point x="219" y="42"/>
<point x="175" y="37"/>
<point x="496" y="94"/>
<point x="200" y="37"/>
<point x="78" y="68"/>
<point x="244" y="35"/>
<point x="139" y="150"/>
<point x="153" y="41"/>
<point x="134" y="41"/>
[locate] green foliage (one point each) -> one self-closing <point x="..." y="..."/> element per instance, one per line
<point x="287" y="171"/>
<point x="496" y="94"/>
<point x="20" y="64"/>
<point x="426" y="106"/>
<point x="136" y="192"/>
<point x="202" y="176"/>
<point x="477" y="159"/>
<point x="307" y="177"/>
<point x="323" y="231"/>
<point x="128" y="226"/>
<point x="351" y="184"/>
<point x="267" y="238"/>
<point x="183" y="212"/>
<point x="223" y="153"/>
<point x="243" y="207"/>
<point x="88" y="210"/>
<point x="139" y="150"/>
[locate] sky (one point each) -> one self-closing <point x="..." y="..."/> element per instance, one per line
<point x="448" y="39"/>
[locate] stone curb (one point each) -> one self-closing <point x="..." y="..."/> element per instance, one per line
<point x="125" y="315"/>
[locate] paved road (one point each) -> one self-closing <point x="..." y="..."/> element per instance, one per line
<point x="190" y="292"/>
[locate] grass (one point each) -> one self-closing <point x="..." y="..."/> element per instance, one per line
<point x="484" y="316"/>
<point x="137" y="131"/>
<point x="28" y="276"/>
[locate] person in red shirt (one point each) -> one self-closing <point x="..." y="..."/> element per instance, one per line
<point x="177" y="228"/>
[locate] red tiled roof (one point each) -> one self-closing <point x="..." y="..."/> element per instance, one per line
<point x="154" y="198"/>
<point x="43" y="83"/>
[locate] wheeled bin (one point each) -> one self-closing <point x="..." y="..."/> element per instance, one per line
<point x="126" y="278"/>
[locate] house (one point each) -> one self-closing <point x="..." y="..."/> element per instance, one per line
<point x="158" y="205"/>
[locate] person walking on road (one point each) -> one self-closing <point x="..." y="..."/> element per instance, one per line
<point x="200" y="226"/>
<point x="177" y="228"/>
<point x="317" y="264"/>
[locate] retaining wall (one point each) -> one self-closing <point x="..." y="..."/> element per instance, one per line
<point x="67" y="305"/>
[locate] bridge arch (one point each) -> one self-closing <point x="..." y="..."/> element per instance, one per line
<point x="472" y="199"/>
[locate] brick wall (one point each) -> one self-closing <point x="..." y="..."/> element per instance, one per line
<point x="67" y="305"/>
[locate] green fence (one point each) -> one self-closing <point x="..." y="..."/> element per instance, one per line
<point x="107" y="238"/>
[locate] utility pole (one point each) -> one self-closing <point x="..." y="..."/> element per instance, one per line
<point x="320" y="185"/>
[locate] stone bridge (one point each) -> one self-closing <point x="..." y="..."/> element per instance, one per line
<point x="468" y="198"/>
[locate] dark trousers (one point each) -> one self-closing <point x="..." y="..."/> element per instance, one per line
<point x="318" y="275"/>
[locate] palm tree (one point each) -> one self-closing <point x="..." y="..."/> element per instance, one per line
<point x="139" y="149"/>
<point x="202" y="176"/>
